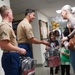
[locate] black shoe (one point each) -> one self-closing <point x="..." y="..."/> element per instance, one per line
<point x="46" y="65"/>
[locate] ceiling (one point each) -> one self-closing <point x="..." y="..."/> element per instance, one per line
<point x="47" y="7"/>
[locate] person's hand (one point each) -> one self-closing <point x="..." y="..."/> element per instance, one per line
<point x="47" y="48"/>
<point x="64" y="39"/>
<point x="45" y="42"/>
<point x="61" y="52"/>
<point x="56" y="48"/>
<point x="22" y="51"/>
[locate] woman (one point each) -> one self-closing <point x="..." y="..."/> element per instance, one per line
<point x="67" y="14"/>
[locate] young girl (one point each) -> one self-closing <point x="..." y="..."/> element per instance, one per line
<point x="53" y="45"/>
<point x="65" y="60"/>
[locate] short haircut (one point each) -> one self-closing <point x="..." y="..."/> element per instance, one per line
<point x="29" y="11"/>
<point x="3" y="9"/>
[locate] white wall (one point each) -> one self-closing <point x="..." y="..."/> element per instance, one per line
<point x="43" y="18"/>
<point x="36" y="48"/>
<point x="19" y="16"/>
<point x="39" y="49"/>
<point x="7" y="3"/>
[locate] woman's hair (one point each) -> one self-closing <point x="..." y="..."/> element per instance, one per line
<point x="67" y="7"/>
<point x="56" y="32"/>
<point x="51" y="33"/>
<point x="3" y="9"/>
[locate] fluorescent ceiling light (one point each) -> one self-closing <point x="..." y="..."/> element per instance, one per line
<point x="59" y="11"/>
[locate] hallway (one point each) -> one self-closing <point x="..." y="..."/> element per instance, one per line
<point x="45" y="71"/>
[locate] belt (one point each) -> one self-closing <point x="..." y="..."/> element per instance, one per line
<point x="23" y="43"/>
<point x="8" y="51"/>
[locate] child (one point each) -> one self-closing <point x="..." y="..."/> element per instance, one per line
<point x="57" y="36"/>
<point x="65" y="60"/>
<point x="53" y="45"/>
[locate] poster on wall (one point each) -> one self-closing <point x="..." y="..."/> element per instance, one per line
<point x="43" y="27"/>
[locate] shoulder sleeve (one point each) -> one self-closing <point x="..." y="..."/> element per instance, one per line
<point x="4" y="33"/>
<point x="28" y="31"/>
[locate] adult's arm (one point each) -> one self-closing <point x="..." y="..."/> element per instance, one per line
<point x="36" y="41"/>
<point x="6" y="45"/>
<point x="71" y="34"/>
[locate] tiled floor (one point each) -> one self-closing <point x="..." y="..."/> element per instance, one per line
<point x="46" y="71"/>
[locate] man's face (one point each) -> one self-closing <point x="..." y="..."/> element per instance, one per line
<point x="32" y="16"/>
<point x="63" y="14"/>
